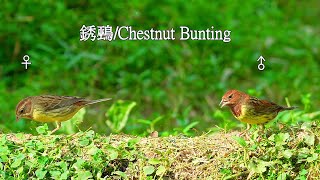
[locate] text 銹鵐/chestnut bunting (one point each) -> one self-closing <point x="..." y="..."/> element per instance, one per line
<point x="49" y="108"/>
<point x="249" y="109"/>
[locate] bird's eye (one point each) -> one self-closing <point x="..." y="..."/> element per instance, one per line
<point x="230" y="96"/>
<point x="21" y="111"/>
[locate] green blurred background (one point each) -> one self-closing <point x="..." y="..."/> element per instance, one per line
<point x="174" y="83"/>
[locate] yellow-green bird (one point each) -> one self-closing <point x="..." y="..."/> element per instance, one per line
<point x="48" y="108"/>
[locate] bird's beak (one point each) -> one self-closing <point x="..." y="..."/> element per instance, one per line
<point x="17" y="118"/>
<point x="223" y="103"/>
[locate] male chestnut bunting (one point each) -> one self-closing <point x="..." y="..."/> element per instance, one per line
<point x="250" y="109"/>
<point x="49" y="108"/>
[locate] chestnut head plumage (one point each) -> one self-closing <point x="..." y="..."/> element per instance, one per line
<point x="231" y="98"/>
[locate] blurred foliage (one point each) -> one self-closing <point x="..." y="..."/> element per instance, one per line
<point x="72" y="126"/>
<point x="180" y="81"/>
<point x="118" y="115"/>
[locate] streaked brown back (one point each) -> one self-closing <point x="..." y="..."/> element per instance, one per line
<point x="49" y="102"/>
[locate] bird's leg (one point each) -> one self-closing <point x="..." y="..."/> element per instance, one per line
<point x="261" y="127"/>
<point x="245" y="131"/>
<point x="57" y="128"/>
<point x="260" y="132"/>
<point x="248" y="127"/>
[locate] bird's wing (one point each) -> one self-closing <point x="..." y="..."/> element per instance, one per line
<point x="264" y="106"/>
<point x="49" y="102"/>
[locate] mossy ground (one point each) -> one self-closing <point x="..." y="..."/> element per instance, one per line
<point x="286" y="153"/>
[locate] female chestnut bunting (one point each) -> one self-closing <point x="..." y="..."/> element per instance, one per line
<point x="250" y="109"/>
<point x="49" y="108"/>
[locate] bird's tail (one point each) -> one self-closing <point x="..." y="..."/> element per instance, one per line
<point x="98" y="100"/>
<point x="289" y="108"/>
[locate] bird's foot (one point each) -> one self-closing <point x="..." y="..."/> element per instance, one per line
<point x="245" y="133"/>
<point x="56" y="129"/>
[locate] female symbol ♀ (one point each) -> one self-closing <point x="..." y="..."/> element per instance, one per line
<point x="26" y="58"/>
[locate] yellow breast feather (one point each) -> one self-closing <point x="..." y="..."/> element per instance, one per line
<point x="249" y="116"/>
<point x="41" y="116"/>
